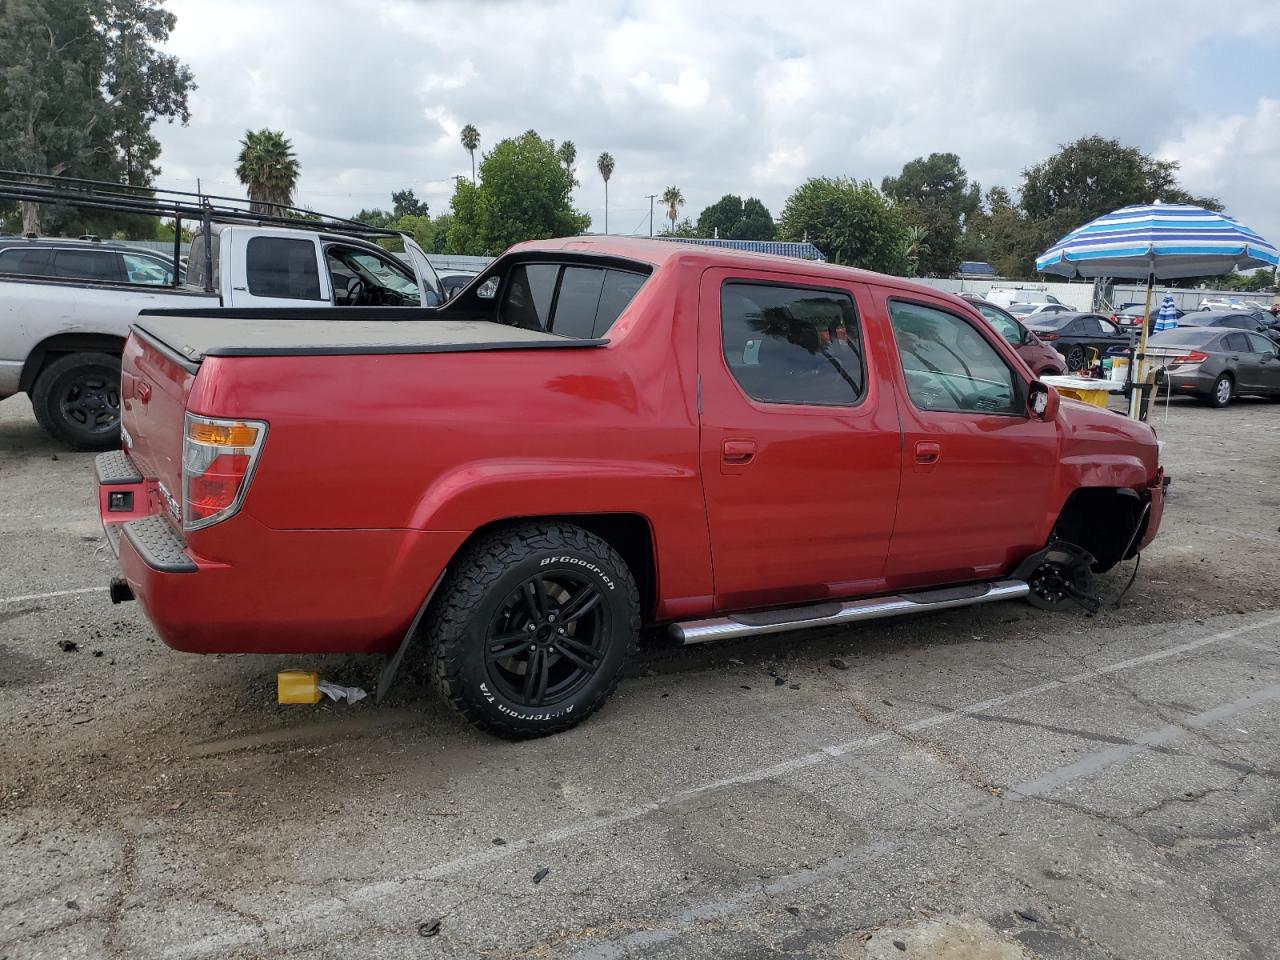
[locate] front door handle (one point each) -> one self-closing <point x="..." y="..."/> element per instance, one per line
<point x="738" y="452"/>
<point x="928" y="451"/>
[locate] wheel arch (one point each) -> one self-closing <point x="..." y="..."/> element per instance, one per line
<point x="1104" y="521"/>
<point x="60" y="344"/>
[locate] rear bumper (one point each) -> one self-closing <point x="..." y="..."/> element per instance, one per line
<point x="1192" y="383"/>
<point x="242" y="587"/>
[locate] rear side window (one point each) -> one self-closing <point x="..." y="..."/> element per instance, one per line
<point x="30" y="263"/>
<point x="792" y="345"/>
<point x="948" y="365"/>
<point x="282" y="268"/>
<point x="1237" y="342"/>
<point x="568" y="300"/>
<point x="86" y="265"/>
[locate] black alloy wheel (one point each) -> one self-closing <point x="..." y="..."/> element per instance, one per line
<point x="545" y="643"/>
<point x="1075" y="358"/>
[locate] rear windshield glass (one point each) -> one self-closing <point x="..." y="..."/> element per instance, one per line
<point x="570" y="300"/>
<point x="1184" y="336"/>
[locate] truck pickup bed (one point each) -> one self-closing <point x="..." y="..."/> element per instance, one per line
<point x="596" y="435"/>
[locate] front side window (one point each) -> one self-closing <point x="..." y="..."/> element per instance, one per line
<point x="1004" y="326"/>
<point x="361" y="278"/>
<point x="282" y="268"/>
<point x="147" y="270"/>
<point x="948" y="365"/>
<point x="1260" y="344"/>
<point x="792" y="345"/>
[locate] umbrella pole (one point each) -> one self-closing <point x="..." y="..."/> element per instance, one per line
<point x="1137" y="369"/>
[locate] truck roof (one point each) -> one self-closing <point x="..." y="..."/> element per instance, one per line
<point x="195" y="338"/>
<point x="658" y="252"/>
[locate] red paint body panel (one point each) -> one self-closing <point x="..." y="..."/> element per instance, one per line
<point x="377" y="467"/>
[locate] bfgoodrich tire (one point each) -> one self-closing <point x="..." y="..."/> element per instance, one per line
<point x="533" y="628"/>
<point x="76" y="399"/>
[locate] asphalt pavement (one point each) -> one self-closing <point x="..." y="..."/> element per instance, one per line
<point x="995" y="782"/>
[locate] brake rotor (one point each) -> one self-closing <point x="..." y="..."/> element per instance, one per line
<point x="1057" y="582"/>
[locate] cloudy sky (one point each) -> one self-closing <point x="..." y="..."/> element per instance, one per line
<point x="748" y="97"/>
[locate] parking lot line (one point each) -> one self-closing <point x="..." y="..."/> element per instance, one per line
<point x="218" y="944"/>
<point x="750" y="896"/>
<point x="55" y="593"/>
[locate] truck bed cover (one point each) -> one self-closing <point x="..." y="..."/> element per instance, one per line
<point x="197" y="337"/>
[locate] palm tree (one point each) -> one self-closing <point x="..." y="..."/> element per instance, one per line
<point x="913" y="247"/>
<point x="471" y="143"/>
<point x="674" y="200"/>
<point x="605" y="166"/>
<point x="268" y="168"/>
<point x="568" y="155"/>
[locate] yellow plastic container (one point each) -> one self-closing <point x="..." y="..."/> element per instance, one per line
<point x="298" y="686"/>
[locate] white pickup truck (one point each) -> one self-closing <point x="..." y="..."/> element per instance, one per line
<point x="66" y="305"/>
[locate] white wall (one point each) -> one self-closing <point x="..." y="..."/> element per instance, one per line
<point x="1078" y="295"/>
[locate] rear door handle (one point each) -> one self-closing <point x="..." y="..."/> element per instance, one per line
<point x="738" y="452"/>
<point x="928" y="451"/>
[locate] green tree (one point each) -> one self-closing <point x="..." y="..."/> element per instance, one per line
<point x="673" y="199"/>
<point x="1093" y="176"/>
<point x="934" y="194"/>
<point x="523" y="194"/>
<point x="268" y="168"/>
<point x="471" y="143"/>
<point x="405" y="204"/>
<point x="376" y="217"/>
<point x="849" y="221"/>
<point x="605" y="165"/>
<point x="568" y="155"/>
<point x="684" y="228"/>
<point x="82" y="82"/>
<point x="732" y="218"/>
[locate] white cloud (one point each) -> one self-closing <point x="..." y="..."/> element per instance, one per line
<point x="750" y="98"/>
<point x="1234" y="159"/>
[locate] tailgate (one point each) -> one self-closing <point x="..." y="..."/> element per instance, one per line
<point x="154" y="386"/>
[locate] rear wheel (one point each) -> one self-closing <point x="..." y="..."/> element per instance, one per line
<point x="76" y="399"/>
<point x="1075" y="358"/>
<point x="1223" y="388"/>
<point x="533" y="629"/>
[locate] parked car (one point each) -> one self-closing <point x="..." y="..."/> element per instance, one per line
<point x="1074" y="335"/>
<point x="522" y="483"/>
<point x="1027" y="311"/>
<point x="1216" y="363"/>
<point x="1005" y="296"/>
<point x="1130" y="315"/>
<point x="1235" y="319"/>
<point x="1217" y="303"/>
<point x="1041" y="358"/>
<point x="66" y="306"/>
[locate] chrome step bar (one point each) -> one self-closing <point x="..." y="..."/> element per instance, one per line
<point x="846" y="611"/>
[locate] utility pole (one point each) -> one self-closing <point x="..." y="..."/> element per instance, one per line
<point x="651" y="197"/>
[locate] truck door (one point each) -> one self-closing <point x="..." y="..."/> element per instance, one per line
<point x="273" y="269"/>
<point x="977" y="471"/>
<point x="800" y="445"/>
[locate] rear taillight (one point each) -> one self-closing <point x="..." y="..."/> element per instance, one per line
<point x="218" y="457"/>
<point x="1047" y="336"/>
<point x="1195" y="356"/>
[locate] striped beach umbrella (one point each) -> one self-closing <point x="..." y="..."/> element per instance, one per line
<point x="1161" y="241"/>
<point x="1157" y="241"/>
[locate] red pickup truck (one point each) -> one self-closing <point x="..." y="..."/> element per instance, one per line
<point x="598" y="435"/>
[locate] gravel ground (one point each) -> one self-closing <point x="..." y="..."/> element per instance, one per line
<point x="986" y="783"/>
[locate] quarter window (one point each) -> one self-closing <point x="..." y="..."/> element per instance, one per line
<point x="948" y="365"/>
<point x="792" y="345"/>
<point x="282" y="268"/>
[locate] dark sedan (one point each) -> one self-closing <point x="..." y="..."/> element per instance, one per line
<point x="1038" y="356"/>
<point x="1076" y="335"/>
<point x="1254" y="322"/>
<point x="1130" y="315"/>
<point x="1217" y="363"/>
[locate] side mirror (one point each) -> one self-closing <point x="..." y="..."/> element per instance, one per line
<point x="1042" y="401"/>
